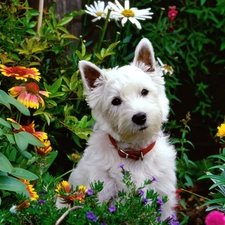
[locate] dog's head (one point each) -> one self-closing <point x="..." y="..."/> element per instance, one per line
<point x="128" y="102"/>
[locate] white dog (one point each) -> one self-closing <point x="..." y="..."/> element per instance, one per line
<point x="129" y="105"/>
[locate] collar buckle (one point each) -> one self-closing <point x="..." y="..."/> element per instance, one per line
<point x="126" y="154"/>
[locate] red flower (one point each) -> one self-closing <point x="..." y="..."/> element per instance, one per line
<point x="30" y="129"/>
<point x="20" y="72"/>
<point x="172" y="13"/>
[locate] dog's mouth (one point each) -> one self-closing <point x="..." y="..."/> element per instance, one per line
<point x="143" y="128"/>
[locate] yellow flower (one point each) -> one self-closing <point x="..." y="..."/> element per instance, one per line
<point x="64" y="186"/>
<point x="75" y="156"/>
<point x="82" y="189"/>
<point x="20" y="72"/>
<point x="221" y="130"/>
<point x="30" y="189"/>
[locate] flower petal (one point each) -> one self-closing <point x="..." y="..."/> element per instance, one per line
<point x="15" y="91"/>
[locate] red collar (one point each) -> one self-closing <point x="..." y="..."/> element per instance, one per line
<point x="130" y="153"/>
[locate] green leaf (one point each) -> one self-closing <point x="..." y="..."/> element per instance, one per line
<point x="21" y="142"/>
<point x="218" y="184"/>
<point x="10" y="138"/>
<point x="24" y="174"/>
<point x="217" y="157"/>
<point x="11" y="184"/>
<point x="189" y="180"/>
<point x="31" y="139"/>
<point x="19" y="106"/>
<point x="5" y="165"/>
<point x="4" y="99"/>
<point x="55" y="86"/>
<point x="69" y="36"/>
<point x="4" y="123"/>
<point x="63" y="29"/>
<point x="26" y="154"/>
<point x="64" y="21"/>
<point x="203" y="2"/>
<point x="50" y="159"/>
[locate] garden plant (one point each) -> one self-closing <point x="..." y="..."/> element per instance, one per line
<point x="45" y="122"/>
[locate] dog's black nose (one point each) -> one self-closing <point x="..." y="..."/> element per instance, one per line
<point x="139" y="118"/>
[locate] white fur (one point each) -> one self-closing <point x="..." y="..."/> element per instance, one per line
<point x="100" y="160"/>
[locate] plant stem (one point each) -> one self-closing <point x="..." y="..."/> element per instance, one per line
<point x="103" y="32"/>
<point x="40" y="17"/>
<point x="190" y="192"/>
<point x="66" y="213"/>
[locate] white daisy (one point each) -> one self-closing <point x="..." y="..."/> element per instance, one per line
<point x="165" y="68"/>
<point x="97" y="10"/>
<point x="126" y="13"/>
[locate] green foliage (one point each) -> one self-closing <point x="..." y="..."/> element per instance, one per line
<point x="184" y="164"/>
<point x="218" y="187"/>
<point x="131" y="206"/>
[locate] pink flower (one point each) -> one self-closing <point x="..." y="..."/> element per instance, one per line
<point x="172" y="13"/>
<point x="29" y="95"/>
<point x="215" y="218"/>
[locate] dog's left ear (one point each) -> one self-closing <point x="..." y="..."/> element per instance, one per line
<point x="144" y="56"/>
<point x="89" y="74"/>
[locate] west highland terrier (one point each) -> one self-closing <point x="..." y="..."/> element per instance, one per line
<point x="129" y="105"/>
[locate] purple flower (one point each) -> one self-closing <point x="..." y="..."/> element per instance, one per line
<point x="145" y="200"/>
<point x="90" y="192"/>
<point x="121" y="166"/>
<point x="159" y="201"/>
<point x="158" y="219"/>
<point x="173" y="220"/>
<point x="160" y="210"/>
<point x="174" y="223"/>
<point x="42" y="192"/>
<point x="91" y="216"/>
<point x="141" y="192"/>
<point x="154" y="179"/>
<point x="112" y="209"/>
<point x="41" y="202"/>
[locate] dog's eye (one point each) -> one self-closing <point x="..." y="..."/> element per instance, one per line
<point x="144" y="92"/>
<point x="116" y="101"/>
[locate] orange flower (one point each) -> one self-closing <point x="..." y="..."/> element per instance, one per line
<point x="69" y="199"/>
<point x="29" y="95"/>
<point x="30" y="129"/>
<point x="43" y="151"/>
<point x="20" y="72"/>
<point x="65" y="192"/>
<point x="30" y="189"/>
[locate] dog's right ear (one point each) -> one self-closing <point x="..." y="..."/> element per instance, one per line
<point x="89" y="74"/>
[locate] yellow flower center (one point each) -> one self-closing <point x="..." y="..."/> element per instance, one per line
<point x="128" y="13"/>
<point x="168" y="68"/>
<point x="99" y="13"/>
<point x="32" y="88"/>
